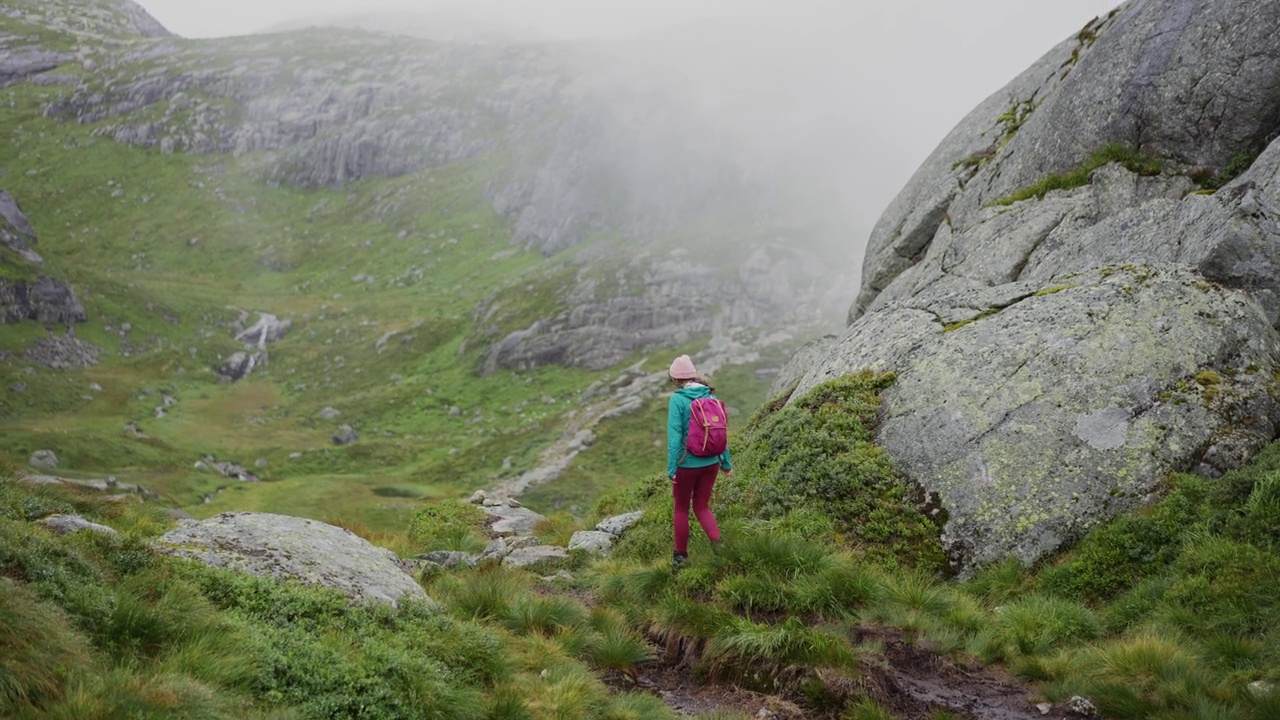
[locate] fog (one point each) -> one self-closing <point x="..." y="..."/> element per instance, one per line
<point x="836" y="101"/>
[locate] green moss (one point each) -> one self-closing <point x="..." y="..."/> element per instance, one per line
<point x="1210" y="181"/>
<point x="818" y="453"/>
<point x="1130" y="158"/>
<point x="1054" y="290"/>
<point x="950" y="327"/>
<point x="1206" y="378"/>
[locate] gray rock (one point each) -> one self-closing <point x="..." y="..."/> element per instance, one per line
<point x="44" y="460"/>
<point x="513" y="521"/>
<point x="283" y="547"/>
<point x="63" y="352"/>
<point x="1036" y="413"/>
<point x="232" y="470"/>
<point x="449" y="558"/>
<point x="67" y="524"/>
<point x="478" y="497"/>
<point x="267" y="329"/>
<point x="15" y="229"/>
<point x="1082" y="706"/>
<point x="1057" y="357"/>
<point x="536" y="555"/>
<point x="47" y="301"/>
<point x="619" y="524"/>
<point x="593" y="541"/>
<point x="496" y="550"/>
<point x="346" y="435"/>
<point x="805" y="358"/>
<point x="1165" y="76"/>
<point x="240" y="365"/>
<point x="330" y="413"/>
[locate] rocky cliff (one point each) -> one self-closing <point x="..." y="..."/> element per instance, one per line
<point x="25" y="294"/>
<point x="1078" y="289"/>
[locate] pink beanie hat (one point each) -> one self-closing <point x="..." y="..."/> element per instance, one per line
<point x="683" y="369"/>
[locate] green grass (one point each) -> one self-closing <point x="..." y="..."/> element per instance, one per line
<point x="393" y="356"/>
<point x="96" y="626"/>
<point x="1132" y="159"/>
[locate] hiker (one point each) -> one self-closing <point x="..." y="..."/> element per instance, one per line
<point x="693" y="475"/>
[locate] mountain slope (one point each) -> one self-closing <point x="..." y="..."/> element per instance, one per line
<point x="418" y="213"/>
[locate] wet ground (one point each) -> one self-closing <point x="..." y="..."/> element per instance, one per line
<point x="907" y="679"/>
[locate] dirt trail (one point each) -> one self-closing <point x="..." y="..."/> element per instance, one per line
<point x="914" y="683"/>
<point x="909" y="680"/>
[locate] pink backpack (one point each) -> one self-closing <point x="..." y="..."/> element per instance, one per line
<point x="708" y="428"/>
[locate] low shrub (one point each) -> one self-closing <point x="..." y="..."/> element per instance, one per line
<point x="1037" y="625"/>
<point x="817" y="453"/>
<point x="448" y="525"/>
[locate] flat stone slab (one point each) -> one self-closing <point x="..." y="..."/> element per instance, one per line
<point x="513" y="520"/>
<point x="526" y="557"/>
<point x="619" y="524"/>
<point x="593" y="541"/>
<point x="67" y="524"/>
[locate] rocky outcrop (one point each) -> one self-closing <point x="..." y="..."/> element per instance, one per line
<point x="239" y="365"/>
<point x="267" y="329"/>
<point x="570" y="154"/>
<point x="97" y="19"/>
<point x="1060" y="352"/>
<point x="15" y="230"/>
<point x="1195" y="84"/>
<point x="656" y="301"/>
<point x="47" y="301"/>
<point x="1037" y="412"/>
<point x="68" y="524"/>
<point x="282" y="547"/>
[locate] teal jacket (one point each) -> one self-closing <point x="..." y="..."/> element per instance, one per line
<point x="678" y="427"/>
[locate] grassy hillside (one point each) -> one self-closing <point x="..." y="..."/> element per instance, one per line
<point x="380" y="280"/>
<point x="1168" y="613"/>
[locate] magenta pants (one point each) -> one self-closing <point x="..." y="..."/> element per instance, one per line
<point x="694" y="485"/>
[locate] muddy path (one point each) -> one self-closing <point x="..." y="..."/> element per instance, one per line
<point x="909" y="680"/>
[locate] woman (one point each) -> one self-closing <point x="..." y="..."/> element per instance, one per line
<point x="692" y="476"/>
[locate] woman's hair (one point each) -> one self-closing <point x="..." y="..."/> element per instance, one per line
<point x="699" y="380"/>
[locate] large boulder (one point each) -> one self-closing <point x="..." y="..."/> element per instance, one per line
<point x="1059" y="355"/>
<point x="44" y="460"/>
<point x="1196" y="84"/>
<point x="283" y="547"/>
<point x="1035" y="412"/>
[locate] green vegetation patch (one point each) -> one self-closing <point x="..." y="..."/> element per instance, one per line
<point x="818" y="453"/>
<point x="1133" y="160"/>
<point x="94" y="625"/>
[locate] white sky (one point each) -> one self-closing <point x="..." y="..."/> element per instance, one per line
<point x="1038" y="22"/>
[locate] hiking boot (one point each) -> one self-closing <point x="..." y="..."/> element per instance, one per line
<point x="679" y="560"/>
<point x="717" y="548"/>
